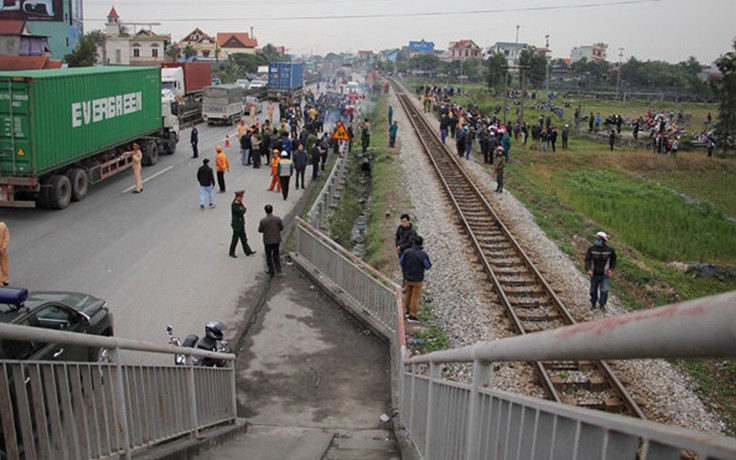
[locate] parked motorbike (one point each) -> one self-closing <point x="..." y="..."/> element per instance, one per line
<point x="213" y="340"/>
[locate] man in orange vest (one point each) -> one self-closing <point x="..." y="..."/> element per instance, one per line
<point x="275" y="181"/>
<point x="222" y="165"/>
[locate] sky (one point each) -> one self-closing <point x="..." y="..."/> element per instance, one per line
<point x="668" y="30"/>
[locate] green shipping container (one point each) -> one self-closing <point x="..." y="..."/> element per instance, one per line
<point x="52" y="118"/>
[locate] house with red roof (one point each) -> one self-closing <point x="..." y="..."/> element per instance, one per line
<point x="463" y="50"/>
<point x="203" y="43"/>
<point x="235" y="42"/>
<point x="144" y="47"/>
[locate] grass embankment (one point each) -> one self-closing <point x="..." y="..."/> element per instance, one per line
<point x="660" y="210"/>
<point x="389" y="200"/>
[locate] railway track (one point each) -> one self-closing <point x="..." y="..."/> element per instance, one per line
<point x="528" y="299"/>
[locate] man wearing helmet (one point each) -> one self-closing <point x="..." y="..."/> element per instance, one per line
<point x="600" y="261"/>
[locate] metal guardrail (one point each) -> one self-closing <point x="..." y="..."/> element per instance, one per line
<point x="451" y="420"/>
<point x="329" y="192"/>
<point x="94" y="410"/>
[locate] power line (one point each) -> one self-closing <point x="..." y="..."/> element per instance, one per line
<point x="404" y="15"/>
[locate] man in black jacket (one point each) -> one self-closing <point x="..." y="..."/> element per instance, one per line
<point x="206" y="179"/>
<point x="300" y="164"/>
<point x="404" y="235"/>
<point x="600" y="261"/>
<point x="414" y="261"/>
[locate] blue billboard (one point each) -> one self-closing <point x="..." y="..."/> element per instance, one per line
<point x="421" y="46"/>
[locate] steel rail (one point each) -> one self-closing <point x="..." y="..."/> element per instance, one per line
<point x="426" y="133"/>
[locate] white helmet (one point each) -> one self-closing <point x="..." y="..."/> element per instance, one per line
<point x="602" y="235"/>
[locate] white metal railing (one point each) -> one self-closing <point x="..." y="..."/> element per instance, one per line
<point x="451" y="420"/>
<point x="95" y="410"/>
<point x="329" y="192"/>
<point x="376" y="293"/>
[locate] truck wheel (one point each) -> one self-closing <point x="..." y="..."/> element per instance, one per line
<point x="60" y="192"/>
<point x="80" y="183"/>
<point x="150" y="157"/>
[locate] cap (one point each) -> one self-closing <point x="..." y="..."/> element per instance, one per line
<point x="205" y="161"/>
<point x="602" y="235"/>
<point x="275" y="150"/>
<point x="136" y="146"/>
<point x="218" y="148"/>
<point x="284" y="154"/>
<point x="240" y="193"/>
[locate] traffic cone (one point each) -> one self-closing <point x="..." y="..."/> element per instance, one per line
<point x="227" y="140"/>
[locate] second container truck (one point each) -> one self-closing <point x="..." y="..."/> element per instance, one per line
<point x="65" y="129"/>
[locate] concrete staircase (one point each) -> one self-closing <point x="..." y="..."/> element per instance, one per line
<point x="263" y="442"/>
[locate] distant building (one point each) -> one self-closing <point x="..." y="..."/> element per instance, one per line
<point x="593" y="53"/>
<point x="710" y="72"/>
<point x="421" y="46"/>
<point x="60" y="21"/>
<point x="16" y="39"/>
<point x="203" y="44"/>
<point x="464" y="49"/>
<point x="366" y="56"/>
<point x="235" y="42"/>
<point x="511" y="51"/>
<point x="120" y="48"/>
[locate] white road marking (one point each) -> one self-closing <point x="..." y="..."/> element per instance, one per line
<point x="132" y="187"/>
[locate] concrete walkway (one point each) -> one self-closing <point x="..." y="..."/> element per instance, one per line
<point x="312" y="381"/>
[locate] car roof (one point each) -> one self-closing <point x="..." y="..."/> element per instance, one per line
<point x="9" y="313"/>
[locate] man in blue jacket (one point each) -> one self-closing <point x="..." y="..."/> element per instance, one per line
<point x="414" y="261"/>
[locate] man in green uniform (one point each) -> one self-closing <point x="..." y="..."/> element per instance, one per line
<point x="237" y="222"/>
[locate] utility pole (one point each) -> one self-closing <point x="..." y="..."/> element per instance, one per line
<point x="547" y="69"/>
<point x="618" y="79"/>
<point x="517" y="33"/>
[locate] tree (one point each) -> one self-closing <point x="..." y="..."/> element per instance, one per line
<point x="172" y="52"/>
<point x="497" y="72"/>
<point x="271" y="54"/>
<point x="248" y="63"/>
<point x="83" y="54"/>
<point x="189" y="51"/>
<point x="424" y="61"/>
<point x="725" y="89"/>
<point x="534" y="65"/>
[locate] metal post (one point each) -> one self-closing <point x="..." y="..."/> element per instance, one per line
<point x="121" y="413"/>
<point x="434" y="374"/>
<point x="618" y="78"/>
<point x="481" y="378"/>
<point x="547" y="69"/>
<point x="193" y="399"/>
<point x="233" y="388"/>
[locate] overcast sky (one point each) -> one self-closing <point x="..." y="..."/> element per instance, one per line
<point x="670" y="30"/>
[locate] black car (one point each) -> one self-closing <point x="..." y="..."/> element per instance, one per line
<point x="57" y="310"/>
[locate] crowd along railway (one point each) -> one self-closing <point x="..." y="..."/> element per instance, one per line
<point x="528" y="299"/>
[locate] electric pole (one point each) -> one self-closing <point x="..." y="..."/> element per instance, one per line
<point x="548" y="58"/>
<point x="618" y="79"/>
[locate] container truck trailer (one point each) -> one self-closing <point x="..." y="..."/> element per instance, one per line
<point x="285" y="79"/>
<point x="182" y="84"/>
<point x="65" y="129"/>
<point x="222" y="104"/>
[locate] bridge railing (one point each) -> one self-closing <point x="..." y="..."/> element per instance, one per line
<point x="451" y="420"/>
<point x="99" y="410"/>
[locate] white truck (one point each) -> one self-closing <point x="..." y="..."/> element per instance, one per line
<point x="222" y="104"/>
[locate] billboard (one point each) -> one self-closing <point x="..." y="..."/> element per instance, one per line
<point x="421" y="46"/>
<point x="32" y="10"/>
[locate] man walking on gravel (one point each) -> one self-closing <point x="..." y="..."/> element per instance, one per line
<point x="498" y="169"/>
<point x="414" y="261"/>
<point x="600" y="261"/>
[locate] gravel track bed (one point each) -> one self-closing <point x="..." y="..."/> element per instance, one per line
<point x="466" y="306"/>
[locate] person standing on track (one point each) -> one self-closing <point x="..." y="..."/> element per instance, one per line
<point x="4" y="244"/>
<point x="404" y="235"/>
<point x="237" y="222"/>
<point x="136" y="157"/>
<point x="498" y="168"/>
<point x="600" y="261"/>
<point x="223" y="165"/>
<point x="392" y="131"/>
<point x="414" y="261"/>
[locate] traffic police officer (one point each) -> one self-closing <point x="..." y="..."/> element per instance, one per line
<point x="237" y="222"/>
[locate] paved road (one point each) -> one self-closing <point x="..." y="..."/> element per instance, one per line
<point x="157" y="258"/>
